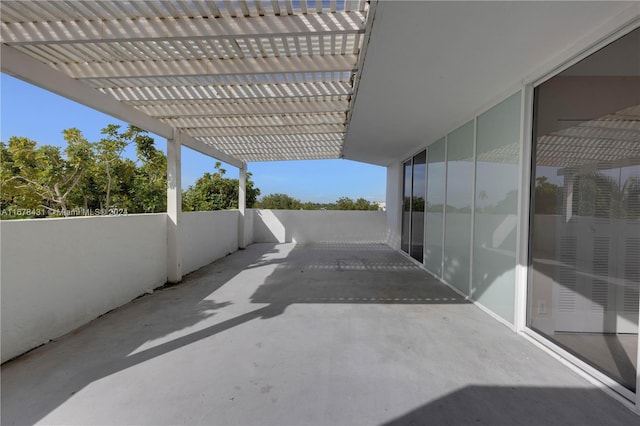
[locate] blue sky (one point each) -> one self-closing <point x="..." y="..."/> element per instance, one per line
<point x="31" y="112"/>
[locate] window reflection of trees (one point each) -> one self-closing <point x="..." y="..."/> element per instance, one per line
<point x="595" y="194"/>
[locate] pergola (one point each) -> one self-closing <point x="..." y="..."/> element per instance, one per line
<point x="241" y="81"/>
<point x="238" y="81"/>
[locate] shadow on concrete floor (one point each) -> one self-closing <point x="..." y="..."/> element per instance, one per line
<point x="358" y="327"/>
<point x="283" y="275"/>
<point x="517" y="406"/>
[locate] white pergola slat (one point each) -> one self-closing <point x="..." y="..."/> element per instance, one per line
<point x="228" y="92"/>
<point x="282" y="120"/>
<point x="211" y="108"/>
<point x="260" y="130"/>
<point x="180" y="68"/>
<point x="271" y="138"/>
<point x="244" y="80"/>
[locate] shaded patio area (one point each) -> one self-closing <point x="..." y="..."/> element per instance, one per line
<point x="285" y="334"/>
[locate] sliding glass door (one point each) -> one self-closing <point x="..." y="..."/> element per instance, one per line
<point x="406" y="206"/>
<point x="585" y="228"/>
<point x="417" y="206"/>
<point x="414" y="187"/>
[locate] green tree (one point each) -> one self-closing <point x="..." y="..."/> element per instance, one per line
<point x="279" y="201"/>
<point x="213" y="191"/>
<point x="313" y="206"/>
<point x="46" y="176"/>
<point x="346" y="203"/>
<point x="109" y="163"/>
<point x="149" y="186"/>
<point x="83" y="175"/>
<point x="137" y="186"/>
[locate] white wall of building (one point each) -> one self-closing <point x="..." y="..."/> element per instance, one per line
<point x="208" y="236"/>
<point x="58" y="274"/>
<point x="312" y="226"/>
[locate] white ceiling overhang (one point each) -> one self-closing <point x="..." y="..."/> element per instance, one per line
<point x="240" y="80"/>
<point x="431" y="66"/>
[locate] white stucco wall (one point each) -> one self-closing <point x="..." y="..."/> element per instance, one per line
<point x="394" y="202"/>
<point x="58" y="274"/>
<point x="207" y="236"/>
<point x="304" y="226"/>
<point x="248" y="226"/>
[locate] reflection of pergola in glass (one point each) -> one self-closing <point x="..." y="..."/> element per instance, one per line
<point x="609" y="141"/>
<point x="586" y="151"/>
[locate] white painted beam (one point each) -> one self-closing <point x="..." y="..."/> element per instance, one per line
<point x="230" y="109"/>
<point x="208" y="67"/>
<point x="174" y="210"/>
<point x="307" y="147"/>
<point x="165" y="28"/>
<point x="229" y="92"/>
<point x="285" y="140"/>
<point x="242" y="204"/>
<point x="262" y="130"/>
<point x="284" y="155"/>
<point x="257" y="121"/>
<point x="302" y="145"/>
<point x="363" y="54"/>
<point x="19" y="65"/>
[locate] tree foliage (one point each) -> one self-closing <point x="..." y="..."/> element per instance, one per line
<point x="593" y="194"/>
<point x="43" y="178"/>
<point x="279" y="201"/>
<point x="548" y="196"/>
<point x="84" y="177"/>
<point x="345" y="203"/>
<point x="286" y="202"/>
<point x="213" y="191"/>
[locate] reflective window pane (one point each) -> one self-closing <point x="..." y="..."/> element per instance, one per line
<point x="458" y="209"/>
<point x="585" y="231"/>
<point x="417" y="205"/>
<point x="406" y="207"/>
<point x="435" y="206"/>
<point x="494" y="242"/>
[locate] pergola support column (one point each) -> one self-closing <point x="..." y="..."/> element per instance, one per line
<point x="242" y="204"/>
<point x="174" y="209"/>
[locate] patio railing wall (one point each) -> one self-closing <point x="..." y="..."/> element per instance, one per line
<point x="58" y="274"/>
<point x="313" y="226"/>
<point x="207" y="236"/>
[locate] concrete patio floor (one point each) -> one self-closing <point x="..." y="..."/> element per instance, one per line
<point x="324" y="334"/>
